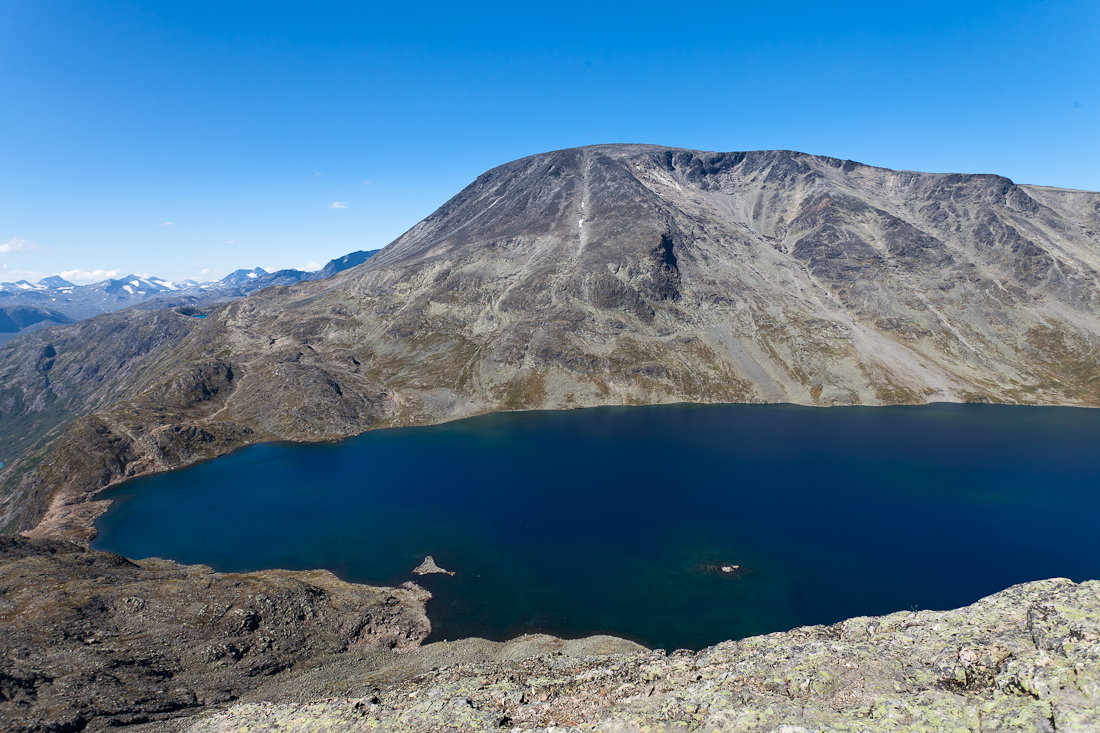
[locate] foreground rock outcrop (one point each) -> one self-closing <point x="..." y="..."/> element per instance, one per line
<point x="91" y="640"/>
<point x="1025" y="659"/>
<point x="613" y="274"/>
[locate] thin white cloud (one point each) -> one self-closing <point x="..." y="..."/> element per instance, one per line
<point x="168" y="224"/>
<point x="7" y="275"/>
<point x="311" y="267"/>
<point x="338" y="205"/>
<point x="366" y="183"/>
<point x="83" y="277"/>
<point x="14" y="245"/>
<point x="207" y="272"/>
<point x="231" y="241"/>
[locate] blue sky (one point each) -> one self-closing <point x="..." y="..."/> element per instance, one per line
<point x="242" y="124"/>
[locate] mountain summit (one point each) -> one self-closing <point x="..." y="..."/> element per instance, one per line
<point x="612" y="274"/>
<point x="659" y="274"/>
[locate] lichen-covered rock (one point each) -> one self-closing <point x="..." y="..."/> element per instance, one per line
<point x="1025" y="659"/>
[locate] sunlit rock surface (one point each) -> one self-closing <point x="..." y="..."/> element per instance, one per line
<point x="617" y="274"/>
<point x="1025" y="659"/>
<point x="613" y="274"/>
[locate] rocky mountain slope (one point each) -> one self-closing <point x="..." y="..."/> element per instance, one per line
<point x="603" y="275"/>
<point x="606" y="275"/>
<point x="93" y="640"/>
<point x="1025" y="659"/>
<point x="16" y="319"/>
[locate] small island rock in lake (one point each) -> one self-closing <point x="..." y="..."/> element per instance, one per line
<point x="429" y="566"/>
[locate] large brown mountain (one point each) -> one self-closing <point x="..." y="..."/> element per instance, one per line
<point x="613" y="274"/>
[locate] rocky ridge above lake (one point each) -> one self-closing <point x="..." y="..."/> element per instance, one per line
<point x="617" y="274"/>
<point x="1025" y="659"/>
<point x="614" y="274"/>
<point x="94" y="641"/>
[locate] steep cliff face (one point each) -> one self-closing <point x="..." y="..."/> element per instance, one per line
<point x="616" y="274"/>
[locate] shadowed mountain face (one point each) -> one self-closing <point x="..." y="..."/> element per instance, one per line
<point x="16" y="317"/>
<point x="609" y="275"/>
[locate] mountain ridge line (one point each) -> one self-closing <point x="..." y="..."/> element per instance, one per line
<point x="613" y="274"/>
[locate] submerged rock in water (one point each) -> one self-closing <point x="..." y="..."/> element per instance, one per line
<point x="429" y="566"/>
<point x="728" y="570"/>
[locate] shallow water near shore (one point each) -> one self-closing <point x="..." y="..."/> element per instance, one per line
<point x="620" y="520"/>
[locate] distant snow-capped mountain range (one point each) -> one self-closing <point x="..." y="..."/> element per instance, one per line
<point x="26" y="306"/>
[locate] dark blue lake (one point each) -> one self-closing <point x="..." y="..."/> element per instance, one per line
<point x="619" y="520"/>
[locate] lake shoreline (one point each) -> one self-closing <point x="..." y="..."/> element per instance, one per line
<point x="1028" y="654"/>
<point x="838" y="481"/>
